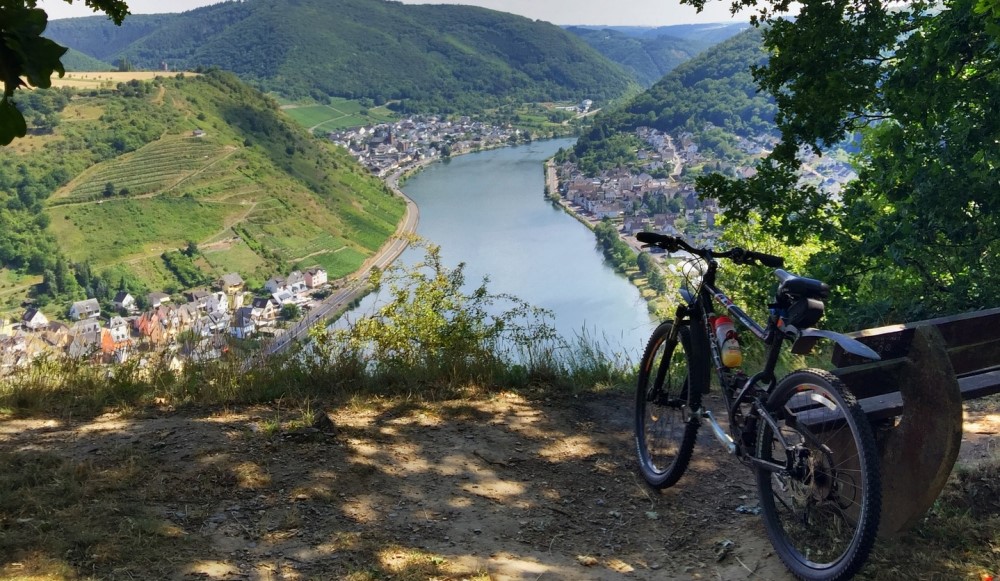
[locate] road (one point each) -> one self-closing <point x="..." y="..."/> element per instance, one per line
<point x="357" y="283"/>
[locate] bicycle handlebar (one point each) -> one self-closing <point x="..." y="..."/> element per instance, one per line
<point x="737" y="255"/>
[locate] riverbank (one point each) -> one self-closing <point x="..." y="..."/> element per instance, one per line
<point x="653" y="299"/>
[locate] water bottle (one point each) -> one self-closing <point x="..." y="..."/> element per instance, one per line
<point x="729" y="345"/>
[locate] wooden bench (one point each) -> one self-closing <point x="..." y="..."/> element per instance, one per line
<point x="914" y="399"/>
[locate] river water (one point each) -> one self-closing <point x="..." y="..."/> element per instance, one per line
<point x="489" y="211"/>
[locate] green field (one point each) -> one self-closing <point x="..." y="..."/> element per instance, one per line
<point x="337" y="264"/>
<point x="339" y="114"/>
<point x="238" y="257"/>
<point x="116" y="229"/>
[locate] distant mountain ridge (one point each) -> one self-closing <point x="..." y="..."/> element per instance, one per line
<point x="435" y="55"/>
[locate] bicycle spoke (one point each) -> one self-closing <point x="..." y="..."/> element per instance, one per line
<point x="821" y="509"/>
<point x="665" y="429"/>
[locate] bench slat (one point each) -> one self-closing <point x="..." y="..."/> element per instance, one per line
<point x="893" y="341"/>
<point x="888" y="405"/>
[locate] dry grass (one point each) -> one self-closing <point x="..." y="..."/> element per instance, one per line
<point x="963" y="529"/>
<point x="83" y="79"/>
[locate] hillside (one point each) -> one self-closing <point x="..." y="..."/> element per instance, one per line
<point x="75" y="60"/>
<point x="434" y="56"/>
<point x="125" y="174"/>
<point x="714" y="89"/>
<point x="651" y="53"/>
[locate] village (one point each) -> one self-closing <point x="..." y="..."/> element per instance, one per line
<point x="637" y="201"/>
<point x="198" y="327"/>
<point x="387" y="147"/>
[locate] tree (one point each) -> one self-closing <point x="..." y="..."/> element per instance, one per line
<point x="28" y="59"/>
<point x="914" y="85"/>
<point x="290" y="311"/>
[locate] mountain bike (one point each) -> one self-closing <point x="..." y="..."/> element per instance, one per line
<point x="806" y="439"/>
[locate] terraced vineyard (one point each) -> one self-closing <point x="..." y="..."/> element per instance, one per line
<point x="153" y="168"/>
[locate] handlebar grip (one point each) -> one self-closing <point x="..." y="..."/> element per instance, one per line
<point x="648" y="237"/>
<point x="766" y="259"/>
<point x="661" y="240"/>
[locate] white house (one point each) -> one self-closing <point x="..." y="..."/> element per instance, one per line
<point x="242" y="325"/>
<point x="276" y="284"/>
<point x="124" y="302"/>
<point x="296" y="282"/>
<point x="34" y="320"/>
<point x="156" y="299"/>
<point x="85" y="309"/>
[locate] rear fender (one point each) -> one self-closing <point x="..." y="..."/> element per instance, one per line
<point x="807" y="339"/>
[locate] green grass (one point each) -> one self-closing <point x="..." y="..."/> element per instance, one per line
<point x="116" y="229"/>
<point x="337" y="264"/>
<point x="339" y="114"/>
<point x="237" y="257"/>
<point x="297" y="195"/>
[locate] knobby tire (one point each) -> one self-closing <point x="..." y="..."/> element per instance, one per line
<point x="666" y="426"/>
<point x="822" y="513"/>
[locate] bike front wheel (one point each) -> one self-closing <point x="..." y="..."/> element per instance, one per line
<point x="665" y="425"/>
<point x="819" y="484"/>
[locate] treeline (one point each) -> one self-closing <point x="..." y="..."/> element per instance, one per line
<point x="441" y="58"/>
<point x="624" y="259"/>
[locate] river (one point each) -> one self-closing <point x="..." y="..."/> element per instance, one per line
<point x="488" y="210"/>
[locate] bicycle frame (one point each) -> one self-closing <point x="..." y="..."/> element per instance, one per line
<point x="698" y="308"/>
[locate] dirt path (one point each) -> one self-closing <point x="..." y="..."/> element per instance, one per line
<point x="499" y="490"/>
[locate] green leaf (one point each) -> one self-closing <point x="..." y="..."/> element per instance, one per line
<point x="12" y="122"/>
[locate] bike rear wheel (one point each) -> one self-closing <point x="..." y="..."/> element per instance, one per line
<point x="665" y="423"/>
<point x="821" y="508"/>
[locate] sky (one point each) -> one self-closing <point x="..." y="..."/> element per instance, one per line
<point x="610" y="12"/>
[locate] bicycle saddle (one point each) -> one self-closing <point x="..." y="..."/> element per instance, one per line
<point x="801" y="287"/>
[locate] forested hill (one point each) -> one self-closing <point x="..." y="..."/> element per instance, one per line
<point x="715" y="88"/>
<point x="435" y="55"/>
<point x="651" y="53"/>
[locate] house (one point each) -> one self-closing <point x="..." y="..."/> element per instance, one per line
<point x="84" y="344"/>
<point x="217" y="303"/>
<point x="242" y="325"/>
<point x="56" y="335"/>
<point x="199" y="298"/>
<point x="296" y="282"/>
<point x="116" y="341"/>
<point x="276" y="284"/>
<point x="315" y="277"/>
<point x="264" y="310"/>
<point x="85" y="309"/>
<point x="211" y="324"/>
<point x="231" y="283"/>
<point x="155" y="299"/>
<point x="124" y="302"/>
<point x="34" y="320"/>
<point x="149" y="327"/>
<point x="283" y="298"/>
